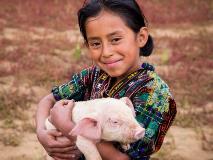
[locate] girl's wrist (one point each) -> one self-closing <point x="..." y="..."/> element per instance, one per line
<point x="39" y="129"/>
<point x="66" y="128"/>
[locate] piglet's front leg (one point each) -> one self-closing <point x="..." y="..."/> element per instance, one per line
<point x="88" y="148"/>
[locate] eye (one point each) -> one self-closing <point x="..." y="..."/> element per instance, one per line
<point x="115" y="40"/>
<point x="94" y="45"/>
<point x="115" y="122"/>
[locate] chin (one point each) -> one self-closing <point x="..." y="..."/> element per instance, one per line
<point x="115" y="74"/>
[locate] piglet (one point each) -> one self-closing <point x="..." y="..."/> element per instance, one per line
<point x="106" y="119"/>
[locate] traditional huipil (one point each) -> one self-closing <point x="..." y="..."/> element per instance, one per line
<point x="154" y="105"/>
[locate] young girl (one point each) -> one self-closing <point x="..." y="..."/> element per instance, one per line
<point x="116" y="35"/>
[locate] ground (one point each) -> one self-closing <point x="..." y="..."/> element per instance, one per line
<point x="39" y="50"/>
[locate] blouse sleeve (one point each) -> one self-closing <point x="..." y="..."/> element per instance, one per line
<point x="77" y="87"/>
<point x="155" y="111"/>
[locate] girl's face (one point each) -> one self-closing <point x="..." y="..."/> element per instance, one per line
<point x="112" y="45"/>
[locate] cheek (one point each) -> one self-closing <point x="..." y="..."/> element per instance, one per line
<point x="129" y="43"/>
<point x="128" y="51"/>
<point x="123" y="48"/>
<point x="94" y="55"/>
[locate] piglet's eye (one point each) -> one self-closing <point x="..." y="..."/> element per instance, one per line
<point x="115" y="122"/>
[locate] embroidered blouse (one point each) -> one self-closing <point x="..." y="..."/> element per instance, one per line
<point x="154" y="105"/>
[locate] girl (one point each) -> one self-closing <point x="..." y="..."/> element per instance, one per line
<point x="116" y="35"/>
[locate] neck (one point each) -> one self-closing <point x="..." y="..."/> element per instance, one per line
<point x="133" y="69"/>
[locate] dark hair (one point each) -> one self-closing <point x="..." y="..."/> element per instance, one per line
<point x="128" y="10"/>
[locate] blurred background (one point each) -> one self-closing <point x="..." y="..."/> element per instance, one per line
<point x="40" y="46"/>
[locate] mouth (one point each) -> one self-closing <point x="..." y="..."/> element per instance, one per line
<point x="112" y="63"/>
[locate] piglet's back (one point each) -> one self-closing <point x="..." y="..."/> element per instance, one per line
<point x="84" y="109"/>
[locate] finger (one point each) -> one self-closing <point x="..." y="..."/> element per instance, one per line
<point x="56" y="158"/>
<point x="65" y="102"/>
<point x="70" y="104"/>
<point x="60" y="144"/>
<point x="78" y="154"/>
<point x="54" y="133"/>
<point x="60" y="153"/>
<point x="61" y="102"/>
<point x="65" y="140"/>
<point x="63" y="155"/>
<point x="69" y="149"/>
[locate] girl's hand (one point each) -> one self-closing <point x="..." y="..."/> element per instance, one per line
<point x="61" y="115"/>
<point x="108" y="151"/>
<point x="58" y="149"/>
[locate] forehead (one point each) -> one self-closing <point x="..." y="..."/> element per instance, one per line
<point x="105" y="23"/>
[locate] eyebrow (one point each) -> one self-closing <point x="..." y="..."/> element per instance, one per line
<point x="114" y="33"/>
<point x="108" y="35"/>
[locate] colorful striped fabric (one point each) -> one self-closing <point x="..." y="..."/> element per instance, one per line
<point x="155" y="108"/>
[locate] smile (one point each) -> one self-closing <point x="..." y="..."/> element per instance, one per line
<point x="111" y="63"/>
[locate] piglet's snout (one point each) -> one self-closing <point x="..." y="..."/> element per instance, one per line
<point x="139" y="133"/>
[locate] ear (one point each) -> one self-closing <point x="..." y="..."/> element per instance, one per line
<point x="128" y="102"/>
<point x="142" y="36"/>
<point x="87" y="127"/>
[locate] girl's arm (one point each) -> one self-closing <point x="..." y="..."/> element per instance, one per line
<point x="79" y="86"/>
<point x="43" y="111"/>
<point x="61" y="116"/>
<point x="61" y="119"/>
<point x="47" y="138"/>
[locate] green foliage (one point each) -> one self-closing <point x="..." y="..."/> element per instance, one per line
<point x="165" y="56"/>
<point x="77" y="52"/>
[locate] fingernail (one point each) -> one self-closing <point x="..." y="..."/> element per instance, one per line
<point x="72" y="155"/>
<point x="70" y="133"/>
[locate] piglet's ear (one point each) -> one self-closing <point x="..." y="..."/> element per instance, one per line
<point x="89" y="128"/>
<point x="128" y="102"/>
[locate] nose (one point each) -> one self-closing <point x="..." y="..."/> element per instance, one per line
<point x="139" y="133"/>
<point x="107" y="50"/>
